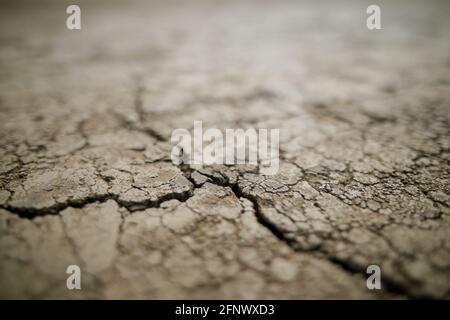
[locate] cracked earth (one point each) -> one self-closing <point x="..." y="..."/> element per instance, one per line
<point x="85" y="171"/>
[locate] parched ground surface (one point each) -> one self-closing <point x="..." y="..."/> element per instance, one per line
<point x="86" y="179"/>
